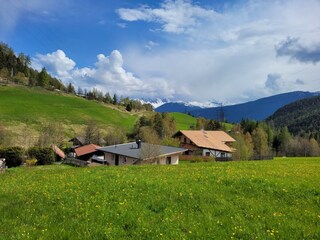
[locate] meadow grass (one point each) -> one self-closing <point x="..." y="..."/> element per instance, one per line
<point x="184" y="121"/>
<point x="35" y="106"/>
<point x="277" y="199"/>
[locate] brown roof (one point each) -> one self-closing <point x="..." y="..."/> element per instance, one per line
<point x="83" y="150"/>
<point x="58" y="151"/>
<point x="210" y="139"/>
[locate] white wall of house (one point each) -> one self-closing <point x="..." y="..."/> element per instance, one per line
<point x="215" y="153"/>
<point x="174" y="159"/>
<point x="110" y="158"/>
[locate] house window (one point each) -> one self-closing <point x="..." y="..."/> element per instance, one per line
<point x="185" y="140"/>
<point x="208" y="154"/>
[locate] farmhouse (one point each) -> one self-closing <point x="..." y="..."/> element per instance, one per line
<point x="86" y="152"/>
<point x="139" y="153"/>
<point x="206" y="143"/>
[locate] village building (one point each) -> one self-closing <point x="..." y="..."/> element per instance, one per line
<point x="139" y="153"/>
<point x="85" y="152"/>
<point x="206" y="143"/>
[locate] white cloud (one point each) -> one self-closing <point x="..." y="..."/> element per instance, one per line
<point x="108" y="75"/>
<point x="228" y="56"/>
<point x="56" y="62"/>
<point x="175" y="16"/>
<point x="150" y="45"/>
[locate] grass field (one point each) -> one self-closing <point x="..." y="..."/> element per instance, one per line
<point x="184" y="121"/>
<point x="277" y="199"/>
<point x="34" y="106"/>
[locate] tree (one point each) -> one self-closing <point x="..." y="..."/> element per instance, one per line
<point x="115" y="99"/>
<point x="51" y="133"/>
<point x="70" y="88"/>
<point x="115" y="136"/>
<point x="284" y="138"/>
<point x="92" y="133"/>
<point x="158" y="125"/>
<point x="43" y="78"/>
<point x="314" y="148"/>
<point x="149" y="153"/>
<point x="243" y="146"/>
<point x="260" y="142"/>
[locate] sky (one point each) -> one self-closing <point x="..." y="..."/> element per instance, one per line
<point x="199" y="51"/>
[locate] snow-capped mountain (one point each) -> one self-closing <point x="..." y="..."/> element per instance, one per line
<point x="157" y="102"/>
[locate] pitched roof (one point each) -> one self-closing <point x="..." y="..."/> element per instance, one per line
<point x="83" y="150"/>
<point x="131" y="149"/>
<point x="58" y="151"/>
<point x="210" y="139"/>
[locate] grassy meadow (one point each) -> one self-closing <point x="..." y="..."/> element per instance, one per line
<point x="277" y="199"/>
<point x="33" y="106"/>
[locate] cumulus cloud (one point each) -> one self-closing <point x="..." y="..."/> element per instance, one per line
<point x="108" y="75"/>
<point x="56" y="62"/>
<point x="295" y="50"/>
<point x="175" y="16"/>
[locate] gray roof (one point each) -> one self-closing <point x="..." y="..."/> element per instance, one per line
<point x="131" y="149"/>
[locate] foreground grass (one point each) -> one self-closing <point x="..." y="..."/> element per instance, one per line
<point x="277" y="199"/>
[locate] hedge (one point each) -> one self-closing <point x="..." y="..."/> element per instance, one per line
<point x="13" y="156"/>
<point x="44" y="155"/>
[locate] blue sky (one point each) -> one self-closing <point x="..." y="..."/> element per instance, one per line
<point x="200" y="51"/>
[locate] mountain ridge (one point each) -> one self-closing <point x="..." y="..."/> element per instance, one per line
<point x="258" y="109"/>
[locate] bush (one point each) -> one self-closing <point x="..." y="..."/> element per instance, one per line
<point x="31" y="162"/>
<point x="196" y="158"/>
<point x="43" y="155"/>
<point x="13" y="156"/>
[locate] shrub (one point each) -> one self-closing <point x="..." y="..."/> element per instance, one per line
<point x="43" y="155"/>
<point x="13" y="156"/>
<point x="196" y="158"/>
<point x="31" y="162"/>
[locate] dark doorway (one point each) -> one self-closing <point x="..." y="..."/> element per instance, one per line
<point x="116" y="161"/>
<point x="168" y="160"/>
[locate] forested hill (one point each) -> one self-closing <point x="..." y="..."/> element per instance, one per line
<point x="300" y="116"/>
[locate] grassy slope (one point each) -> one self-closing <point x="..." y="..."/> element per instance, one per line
<point x="33" y="106"/>
<point x="184" y="121"/>
<point x="235" y="200"/>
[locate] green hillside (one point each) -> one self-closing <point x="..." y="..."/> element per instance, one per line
<point x="236" y="200"/>
<point x="35" y="106"/>
<point x="184" y="121"/>
<point x="300" y="116"/>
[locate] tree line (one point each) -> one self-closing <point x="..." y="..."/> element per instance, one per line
<point x="259" y="139"/>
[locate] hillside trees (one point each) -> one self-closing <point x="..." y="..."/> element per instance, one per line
<point x="155" y="129"/>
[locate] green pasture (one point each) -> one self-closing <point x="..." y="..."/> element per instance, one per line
<point x="277" y="199"/>
<point x="36" y="105"/>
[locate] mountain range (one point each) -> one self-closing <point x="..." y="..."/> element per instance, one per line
<point x="255" y="110"/>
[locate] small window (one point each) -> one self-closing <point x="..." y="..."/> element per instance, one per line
<point x="185" y="140"/>
<point x="208" y="154"/>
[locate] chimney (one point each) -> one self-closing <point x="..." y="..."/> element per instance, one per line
<point x="138" y="141"/>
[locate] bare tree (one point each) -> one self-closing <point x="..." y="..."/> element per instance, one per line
<point x="92" y="133"/>
<point x="149" y="153"/>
